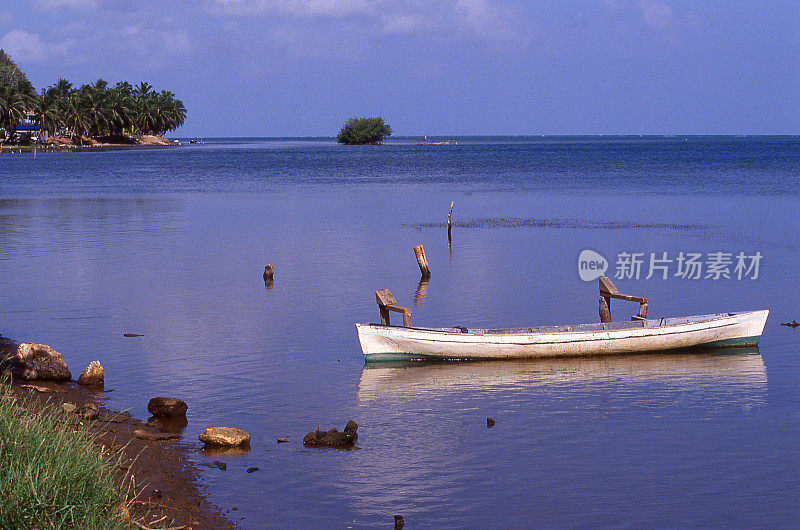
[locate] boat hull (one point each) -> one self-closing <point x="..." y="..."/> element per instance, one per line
<point x="391" y="343"/>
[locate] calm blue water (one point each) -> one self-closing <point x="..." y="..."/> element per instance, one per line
<point x="172" y="244"/>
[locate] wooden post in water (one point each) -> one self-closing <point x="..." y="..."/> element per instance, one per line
<point x="609" y="291"/>
<point x="419" y="294"/>
<point x="269" y="272"/>
<point x="605" y="311"/>
<point x="449" y="226"/>
<point x="386" y="303"/>
<point x="422" y="261"/>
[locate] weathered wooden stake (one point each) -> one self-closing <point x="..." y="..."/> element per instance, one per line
<point x="422" y="261"/>
<point x="609" y="291"/>
<point x="449" y="216"/>
<point x="605" y="310"/>
<point x="386" y="303"/>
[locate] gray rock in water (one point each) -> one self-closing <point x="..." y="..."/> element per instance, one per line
<point x="93" y="375"/>
<point x="332" y="438"/>
<point x="167" y="407"/>
<point x="225" y="436"/>
<point x="40" y="361"/>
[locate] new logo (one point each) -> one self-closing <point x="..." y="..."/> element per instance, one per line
<point x="591" y="265"/>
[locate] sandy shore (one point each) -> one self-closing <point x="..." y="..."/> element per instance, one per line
<point x="165" y="479"/>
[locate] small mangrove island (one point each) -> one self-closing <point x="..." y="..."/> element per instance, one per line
<point x="92" y="115"/>
<point x="363" y="131"/>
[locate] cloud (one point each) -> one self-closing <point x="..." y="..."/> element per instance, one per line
<point x="297" y="8"/>
<point x="45" y="5"/>
<point x="656" y="17"/>
<point x="24" y="47"/>
<point x="153" y="41"/>
<point x="486" y="19"/>
<point x="402" y="24"/>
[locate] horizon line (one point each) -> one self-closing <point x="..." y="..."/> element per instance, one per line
<point x="416" y="136"/>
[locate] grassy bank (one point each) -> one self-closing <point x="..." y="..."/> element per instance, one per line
<point x="51" y="473"/>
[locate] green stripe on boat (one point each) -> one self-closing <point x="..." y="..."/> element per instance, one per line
<point x="741" y="341"/>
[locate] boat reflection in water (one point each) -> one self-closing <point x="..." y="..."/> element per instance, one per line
<point x="732" y="375"/>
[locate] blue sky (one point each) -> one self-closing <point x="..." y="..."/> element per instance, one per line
<point x="302" y="67"/>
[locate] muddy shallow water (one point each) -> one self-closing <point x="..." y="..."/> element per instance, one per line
<point x="171" y="244"/>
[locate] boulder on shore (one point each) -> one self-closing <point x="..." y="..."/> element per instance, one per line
<point x="93" y="375"/>
<point x="225" y="436"/>
<point x="40" y="361"/>
<point x="150" y="139"/>
<point x="167" y="407"/>
<point x="332" y="438"/>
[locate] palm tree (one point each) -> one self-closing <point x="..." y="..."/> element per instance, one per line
<point x="172" y="112"/>
<point x="143" y="89"/>
<point x="13" y="104"/>
<point x="96" y="110"/>
<point x="75" y="118"/>
<point x="61" y="89"/>
<point x="47" y="115"/>
<point x="59" y="94"/>
<point x="121" y="107"/>
<point x="101" y="85"/>
<point x="146" y="113"/>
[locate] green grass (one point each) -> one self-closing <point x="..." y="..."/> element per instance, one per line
<point x="51" y="473"/>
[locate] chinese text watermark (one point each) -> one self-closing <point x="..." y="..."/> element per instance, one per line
<point x="663" y="265"/>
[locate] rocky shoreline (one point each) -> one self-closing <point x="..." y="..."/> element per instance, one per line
<point x="162" y="477"/>
<point x="63" y="144"/>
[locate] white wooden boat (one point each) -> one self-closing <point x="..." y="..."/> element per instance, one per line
<point x="383" y="342"/>
<point x="391" y="343"/>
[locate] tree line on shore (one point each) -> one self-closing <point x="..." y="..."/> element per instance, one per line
<point x="95" y="110"/>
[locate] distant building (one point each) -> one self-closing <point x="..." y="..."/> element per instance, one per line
<point x="27" y="129"/>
